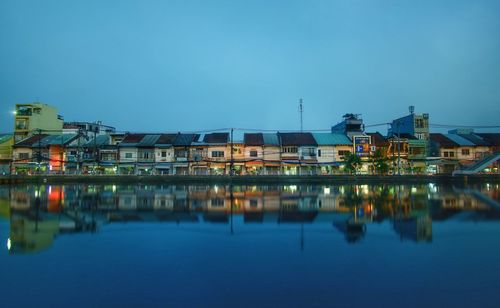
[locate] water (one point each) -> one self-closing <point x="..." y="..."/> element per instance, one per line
<point x="264" y="246"/>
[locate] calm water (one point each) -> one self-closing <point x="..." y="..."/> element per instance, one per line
<point x="286" y="246"/>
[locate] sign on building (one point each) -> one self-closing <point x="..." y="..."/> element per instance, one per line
<point x="362" y="145"/>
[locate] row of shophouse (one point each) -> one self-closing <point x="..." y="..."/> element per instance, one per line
<point x="298" y="153"/>
<point x="43" y="143"/>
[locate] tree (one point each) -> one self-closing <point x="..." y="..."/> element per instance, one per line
<point x="352" y="162"/>
<point x="380" y="162"/>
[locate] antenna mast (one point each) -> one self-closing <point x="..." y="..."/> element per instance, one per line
<point x="301" y="110"/>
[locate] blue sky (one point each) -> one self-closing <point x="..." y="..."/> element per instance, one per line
<point x="193" y="65"/>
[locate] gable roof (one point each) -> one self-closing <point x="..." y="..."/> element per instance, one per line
<point x="378" y="140"/>
<point x="5" y="137"/>
<point x="98" y="142"/>
<point x="492" y="138"/>
<point x="477" y="140"/>
<point x="331" y="139"/>
<point x="271" y="139"/>
<point x="131" y="139"/>
<point x="442" y="140"/>
<point x="185" y="139"/>
<point x="166" y="139"/>
<point x="297" y="139"/>
<point x="32" y="140"/>
<point x="253" y="139"/>
<point x="459" y="140"/>
<point x="216" y="138"/>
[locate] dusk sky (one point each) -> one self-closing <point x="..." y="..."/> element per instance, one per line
<point x="194" y="65"/>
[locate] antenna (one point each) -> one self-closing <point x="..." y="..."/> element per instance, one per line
<point x="301" y="110"/>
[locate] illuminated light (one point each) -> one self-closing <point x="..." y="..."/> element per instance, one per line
<point x="9" y="245"/>
<point x="114" y="188"/>
<point x="293" y="188"/>
<point x="14" y="112"/>
<point x="413" y="189"/>
<point x="216" y="188"/>
<point x="37" y="194"/>
<point x="326" y="190"/>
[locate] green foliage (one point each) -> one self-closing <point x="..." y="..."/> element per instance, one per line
<point x="380" y="163"/>
<point x="352" y="162"/>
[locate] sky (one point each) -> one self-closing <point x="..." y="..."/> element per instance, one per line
<point x="162" y="66"/>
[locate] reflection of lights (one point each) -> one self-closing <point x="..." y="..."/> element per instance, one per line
<point x="364" y="189"/>
<point x="216" y="188"/>
<point x="488" y="186"/>
<point x="432" y="187"/>
<point x="292" y="188"/>
<point x="413" y="189"/>
<point x="8" y="244"/>
<point x="37" y="193"/>
<point x="326" y="190"/>
<point x="114" y="188"/>
<point x="50" y="189"/>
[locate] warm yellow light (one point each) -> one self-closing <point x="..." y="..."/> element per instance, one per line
<point x="326" y="190"/>
<point x="8" y="244"/>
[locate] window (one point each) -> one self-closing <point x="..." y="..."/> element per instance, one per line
<point x="254" y="203"/>
<point x="319" y="153"/>
<point x="344" y="152"/>
<point x="290" y="150"/>
<point x="128" y="155"/>
<point x="24" y="155"/>
<point x="465" y="152"/>
<point x="445" y="154"/>
<point x="217" y="153"/>
<point x="253" y="153"/>
<point x="164" y="154"/>
<point x="419" y="123"/>
<point x="452" y="154"/>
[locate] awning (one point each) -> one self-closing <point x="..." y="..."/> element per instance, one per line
<point x="107" y="164"/>
<point x="254" y="163"/>
<point x="163" y="166"/>
<point x="177" y="165"/>
<point x="215" y="165"/>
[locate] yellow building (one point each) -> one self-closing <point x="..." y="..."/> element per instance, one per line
<point x="36" y="116"/>
<point x="6" y="142"/>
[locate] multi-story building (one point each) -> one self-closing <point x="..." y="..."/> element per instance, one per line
<point x="88" y="129"/>
<point x="218" y="154"/>
<point x="36" y="118"/>
<point x="6" y="142"/>
<point x="351" y="125"/>
<point x="331" y="150"/>
<point x="298" y="153"/>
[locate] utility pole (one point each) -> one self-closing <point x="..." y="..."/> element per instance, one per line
<point x="39" y="151"/>
<point x="399" y="150"/>
<point x="301" y="110"/>
<point x="231" y="164"/>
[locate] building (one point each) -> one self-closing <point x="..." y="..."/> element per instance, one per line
<point x="164" y="154"/>
<point x="351" y="125"/>
<point x="412" y="124"/>
<point x="6" y="143"/>
<point x="218" y="152"/>
<point x="331" y="151"/>
<point x="88" y="129"/>
<point x="29" y="118"/>
<point x="298" y="153"/>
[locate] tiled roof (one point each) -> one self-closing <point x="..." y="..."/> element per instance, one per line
<point x="216" y="138"/>
<point x="253" y="139"/>
<point x="297" y="139"/>
<point x="331" y="139"/>
<point x="442" y="140"/>
<point x="492" y="138"/>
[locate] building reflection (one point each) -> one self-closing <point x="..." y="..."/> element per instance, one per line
<point x="40" y="213"/>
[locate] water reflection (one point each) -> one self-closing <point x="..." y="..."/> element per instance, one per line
<point x="38" y="214"/>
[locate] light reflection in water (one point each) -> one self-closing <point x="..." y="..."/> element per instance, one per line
<point x="38" y="213"/>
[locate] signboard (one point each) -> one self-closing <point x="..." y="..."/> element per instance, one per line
<point x="362" y="145"/>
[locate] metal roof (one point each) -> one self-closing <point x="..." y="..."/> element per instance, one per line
<point x="57" y="139"/>
<point x="297" y="139"/>
<point x="331" y="139"/>
<point x="148" y="141"/>
<point x="99" y="141"/>
<point x="474" y="139"/>
<point x="4" y="138"/>
<point x="271" y="139"/>
<point x="459" y="140"/>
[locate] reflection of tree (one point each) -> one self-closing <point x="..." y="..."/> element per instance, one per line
<point x="352" y="197"/>
<point x="381" y="201"/>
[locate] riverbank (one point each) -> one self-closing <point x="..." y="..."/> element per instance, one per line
<point x="247" y="179"/>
